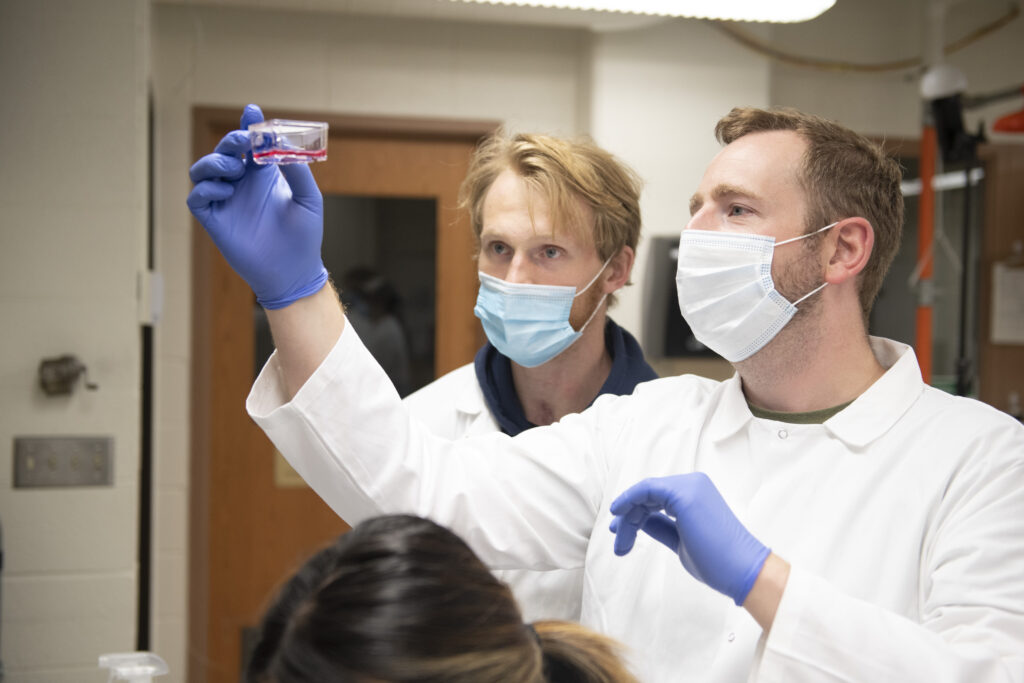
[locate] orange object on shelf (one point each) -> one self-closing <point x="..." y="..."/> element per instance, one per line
<point x="1011" y="123"/>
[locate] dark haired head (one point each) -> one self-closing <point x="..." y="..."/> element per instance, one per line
<point x="402" y="599"/>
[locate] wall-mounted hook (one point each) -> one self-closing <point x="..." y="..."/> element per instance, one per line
<point x="57" y="376"/>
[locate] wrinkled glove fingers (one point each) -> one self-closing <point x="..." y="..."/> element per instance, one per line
<point x="637" y="494"/>
<point x="625" y="537"/>
<point x="234" y="144"/>
<point x="662" y="529"/>
<point x="304" y="189"/>
<point x="216" y="167"/>
<point x="251" y="114"/>
<point x="675" y="495"/>
<point x="626" y="526"/>
<point x="207" y="192"/>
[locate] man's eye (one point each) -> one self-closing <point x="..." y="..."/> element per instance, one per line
<point x="551" y="252"/>
<point x="498" y="248"/>
<point x="736" y="210"/>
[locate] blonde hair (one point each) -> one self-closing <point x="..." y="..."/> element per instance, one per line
<point x="844" y="174"/>
<point x="564" y="172"/>
<point x="574" y="653"/>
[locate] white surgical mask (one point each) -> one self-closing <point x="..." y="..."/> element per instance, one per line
<point x="726" y="292"/>
<point x="529" y="323"/>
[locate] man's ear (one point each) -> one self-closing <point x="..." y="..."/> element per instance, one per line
<point x="852" y="241"/>
<point x="620" y="266"/>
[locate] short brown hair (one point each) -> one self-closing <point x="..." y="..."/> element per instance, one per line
<point x="562" y="171"/>
<point x="844" y="174"/>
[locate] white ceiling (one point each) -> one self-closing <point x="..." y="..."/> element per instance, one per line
<point x="451" y="10"/>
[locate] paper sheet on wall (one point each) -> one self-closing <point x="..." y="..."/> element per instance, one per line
<point x="1007" y="304"/>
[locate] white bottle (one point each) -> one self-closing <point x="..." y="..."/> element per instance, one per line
<point x="137" y="667"/>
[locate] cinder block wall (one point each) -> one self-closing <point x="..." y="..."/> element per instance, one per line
<point x="73" y="212"/>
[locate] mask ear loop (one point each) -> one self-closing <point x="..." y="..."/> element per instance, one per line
<point x="594" y="312"/>
<point x="603" y="297"/>
<point x="594" y="279"/>
<point x="810" y="293"/>
<point x="794" y="239"/>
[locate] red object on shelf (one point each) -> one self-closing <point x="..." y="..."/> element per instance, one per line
<point x="1011" y="123"/>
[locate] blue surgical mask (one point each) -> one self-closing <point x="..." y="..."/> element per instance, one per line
<point x="529" y="323"/>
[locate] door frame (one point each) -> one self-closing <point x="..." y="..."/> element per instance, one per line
<point x="208" y="277"/>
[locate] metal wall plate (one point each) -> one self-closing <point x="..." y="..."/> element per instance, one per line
<point x="55" y="461"/>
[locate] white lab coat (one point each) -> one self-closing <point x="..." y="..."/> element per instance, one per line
<point x="453" y="407"/>
<point x="902" y="516"/>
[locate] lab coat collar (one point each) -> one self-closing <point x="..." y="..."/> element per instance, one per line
<point x="731" y="413"/>
<point x="868" y="417"/>
<point x="875" y="411"/>
<point x="470" y="400"/>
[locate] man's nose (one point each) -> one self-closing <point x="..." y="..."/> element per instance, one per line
<point x="520" y="270"/>
<point x="701" y="219"/>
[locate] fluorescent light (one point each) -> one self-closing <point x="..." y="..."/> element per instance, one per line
<point x="953" y="180"/>
<point x="781" y="11"/>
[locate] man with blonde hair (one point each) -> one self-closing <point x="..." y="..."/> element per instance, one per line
<point x="557" y="223"/>
<point x="894" y="511"/>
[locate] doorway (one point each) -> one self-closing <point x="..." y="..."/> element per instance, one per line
<point x="390" y="187"/>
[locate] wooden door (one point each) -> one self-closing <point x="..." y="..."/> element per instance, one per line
<point x="248" y="531"/>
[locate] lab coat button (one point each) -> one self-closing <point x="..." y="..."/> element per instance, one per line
<point x="783" y="434"/>
<point x="731" y="637"/>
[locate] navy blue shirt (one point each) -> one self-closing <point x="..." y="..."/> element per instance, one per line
<point x="494" y="373"/>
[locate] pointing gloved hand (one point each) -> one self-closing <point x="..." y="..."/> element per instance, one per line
<point x="688" y="514"/>
<point x="267" y="221"/>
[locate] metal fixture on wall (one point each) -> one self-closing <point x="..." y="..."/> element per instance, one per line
<point x="57" y="376"/>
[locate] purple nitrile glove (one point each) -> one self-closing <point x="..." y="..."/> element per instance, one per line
<point x="267" y="221"/>
<point x="688" y="514"/>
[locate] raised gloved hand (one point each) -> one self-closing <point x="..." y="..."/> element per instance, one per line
<point x="267" y="221"/>
<point x="688" y="514"/>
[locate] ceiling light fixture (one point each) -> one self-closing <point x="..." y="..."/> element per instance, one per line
<point x="789" y="11"/>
